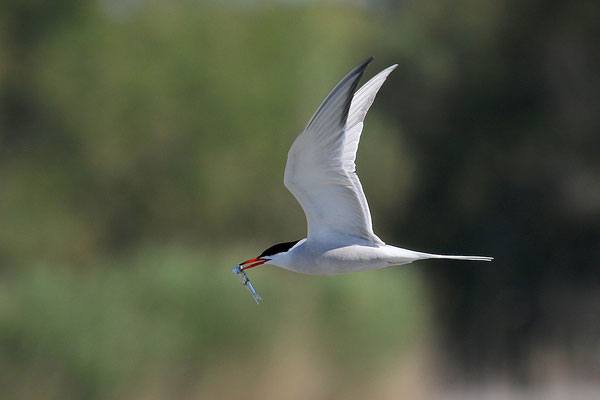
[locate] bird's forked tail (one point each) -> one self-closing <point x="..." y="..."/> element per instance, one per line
<point x="469" y="258"/>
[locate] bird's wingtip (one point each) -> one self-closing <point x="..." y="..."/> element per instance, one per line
<point x="364" y="64"/>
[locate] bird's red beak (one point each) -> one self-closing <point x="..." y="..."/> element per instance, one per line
<point x="253" y="262"/>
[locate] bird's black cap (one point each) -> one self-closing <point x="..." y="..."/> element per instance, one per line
<point x="278" y="248"/>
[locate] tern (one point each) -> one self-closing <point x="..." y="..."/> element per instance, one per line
<point x="320" y="173"/>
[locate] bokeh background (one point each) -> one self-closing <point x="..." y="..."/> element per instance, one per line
<point x="142" y="148"/>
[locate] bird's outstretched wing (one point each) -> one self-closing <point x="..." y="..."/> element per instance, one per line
<point x="320" y="170"/>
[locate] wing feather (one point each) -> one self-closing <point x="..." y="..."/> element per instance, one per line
<point x="320" y="170"/>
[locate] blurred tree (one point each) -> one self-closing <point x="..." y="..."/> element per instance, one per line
<point x="31" y="136"/>
<point x="500" y="108"/>
<point x="145" y="121"/>
<point x="141" y="121"/>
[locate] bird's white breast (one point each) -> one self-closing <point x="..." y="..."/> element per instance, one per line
<point x="335" y="257"/>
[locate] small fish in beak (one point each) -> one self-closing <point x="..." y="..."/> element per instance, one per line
<point x="241" y="274"/>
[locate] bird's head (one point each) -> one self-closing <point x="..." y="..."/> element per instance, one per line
<point x="270" y="256"/>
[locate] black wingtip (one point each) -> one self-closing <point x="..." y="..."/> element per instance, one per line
<point x="348" y="84"/>
<point x="361" y="67"/>
<point x="355" y="76"/>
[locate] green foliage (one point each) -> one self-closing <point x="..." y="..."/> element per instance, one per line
<point x="173" y="120"/>
<point x="129" y="123"/>
<point x="109" y="326"/>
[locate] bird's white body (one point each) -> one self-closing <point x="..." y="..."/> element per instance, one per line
<point x="348" y="254"/>
<point x="340" y="256"/>
<point x="320" y="173"/>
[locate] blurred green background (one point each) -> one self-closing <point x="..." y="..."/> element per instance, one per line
<point x="142" y="148"/>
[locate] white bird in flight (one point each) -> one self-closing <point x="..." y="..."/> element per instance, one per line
<point x="320" y="173"/>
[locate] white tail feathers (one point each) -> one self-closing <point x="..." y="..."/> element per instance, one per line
<point x="469" y="258"/>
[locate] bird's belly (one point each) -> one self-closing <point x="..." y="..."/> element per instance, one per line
<point x="341" y="260"/>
